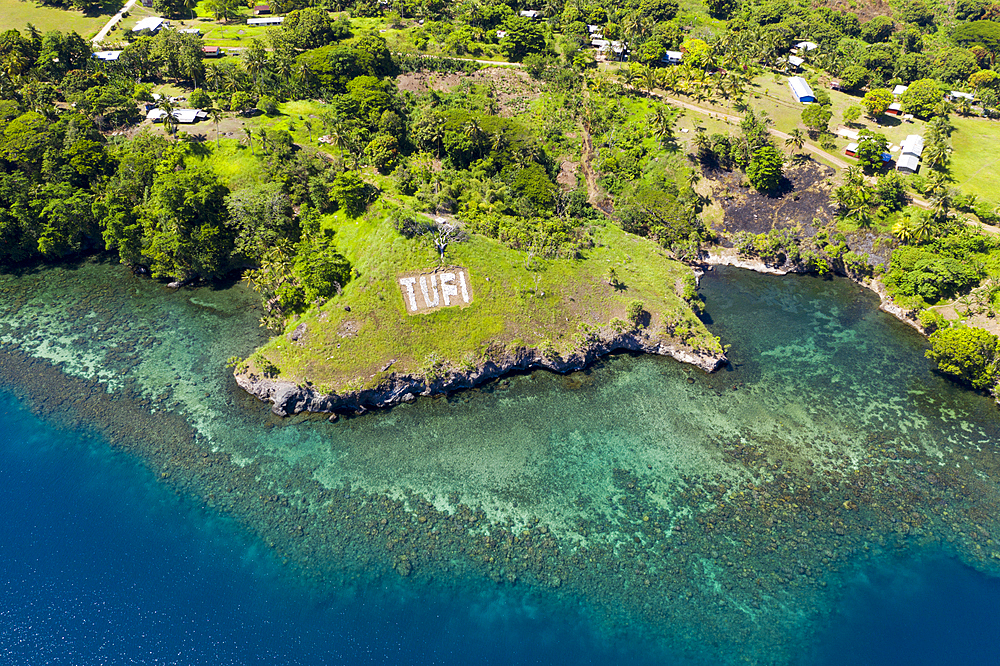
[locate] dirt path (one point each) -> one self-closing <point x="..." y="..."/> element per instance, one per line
<point x="587" y="165"/>
<point x="99" y="37"/>
<point x="816" y="150"/>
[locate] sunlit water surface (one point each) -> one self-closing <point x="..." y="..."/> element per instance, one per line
<point x="827" y="495"/>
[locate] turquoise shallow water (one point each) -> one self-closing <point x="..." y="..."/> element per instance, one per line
<point x="723" y="518"/>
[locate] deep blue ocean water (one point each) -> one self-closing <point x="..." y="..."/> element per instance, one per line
<point x="99" y="564"/>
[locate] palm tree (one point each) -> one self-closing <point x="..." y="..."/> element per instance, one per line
<point x="903" y="231"/>
<point x="213" y="76"/>
<point x="796" y="138"/>
<point x="936" y="154"/>
<point x="169" y="120"/>
<point x="216" y="114"/>
<point x="499" y="141"/>
<point x="249" y="133"/>
<point x="627" y="75"/>
<point x="663" y="125"/>
<point x="337" y="131"/>
<point x="648" y="79"/>
<point x="255" y="60"/>
<point x="474" y="132"/>
<point x="437" y="134"/>
<point x="941" y="203"/>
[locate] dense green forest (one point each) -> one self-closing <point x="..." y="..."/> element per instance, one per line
<point x="76" y="175"/>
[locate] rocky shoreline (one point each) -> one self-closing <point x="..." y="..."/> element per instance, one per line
<point x="289" y="398"/>
<point x="729" y="257"/>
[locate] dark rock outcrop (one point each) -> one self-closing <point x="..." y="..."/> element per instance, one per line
<point x="290" y="398"/>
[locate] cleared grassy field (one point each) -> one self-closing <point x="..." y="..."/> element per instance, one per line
<point x="515" y="301"/>
<point x="975" y="159"/>
<point x="17" y="15"/>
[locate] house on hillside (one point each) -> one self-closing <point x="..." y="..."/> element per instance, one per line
<point x="152" y="23"/>
<point x="533" y="14"/>
<point x="795" y="63"/>
<point x="107" y="56"/>
<point x="955" y="96"/>
<point x="806" y="46"/>
<point x="211" y="52"/>
<point x="894" y="109"/>
<point x="184" y="116"/>
<point x="259" y="10"/>
<point x="801" y="90"/>
<point x="672" y="58"/>
<point x="898" y="91"/>
<point x="266" y="20"/>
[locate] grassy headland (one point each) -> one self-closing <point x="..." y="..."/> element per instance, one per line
<point x="556" y="306"/>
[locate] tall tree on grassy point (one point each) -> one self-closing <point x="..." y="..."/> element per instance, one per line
<point x="523" y="37"/>
<point x="852" y="113"/>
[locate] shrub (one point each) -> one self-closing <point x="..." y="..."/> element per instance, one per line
<point x="967" y="353"/>
<point x="635" y="313"/>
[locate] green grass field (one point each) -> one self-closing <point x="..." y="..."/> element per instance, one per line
<point x="975" y="160"/>
<point x="515" y="301"/>
<point x="17" y="15"/>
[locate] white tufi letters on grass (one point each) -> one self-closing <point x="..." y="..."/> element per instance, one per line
<point x="444" y="287"/>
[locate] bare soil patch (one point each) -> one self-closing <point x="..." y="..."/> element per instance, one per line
<point x="567" y="174"/>
<point x="512" y="88"/>
<point x="421" y="82"/>
<point x="865" y="12"/>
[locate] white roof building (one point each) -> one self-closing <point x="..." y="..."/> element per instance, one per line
<point x="673" y="57"/>
<point x="908" y="163"/>
<point x="186" y="116"/>
<point x="607" y="45"/>
<point x="801" y="90"/>
<point x="895" y="108"/>
<point x="266" y="20"/>
<point x="190" y="31"/>
<point x="795" y="61"/>
<point x="851" y="148"/>
<point x="899" y="90"/>
<point x="912" y="145"/>
<point x="531" y="13"/>
<point x="151" y="23"/>
<point x="107" y="56"/>
<point x="807" y="46"/>
<point x="961" y="95"/>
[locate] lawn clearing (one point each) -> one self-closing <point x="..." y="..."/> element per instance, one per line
<point x="15" y="14"/>
<point x="975" y="159"/>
